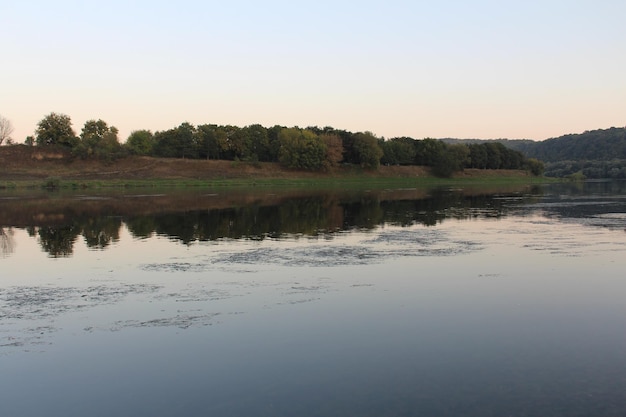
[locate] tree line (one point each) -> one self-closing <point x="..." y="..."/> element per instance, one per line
<point x="599" y="153"/>
<point x="591" y="145"/>
<point x="614" y="169"/>
<point x="310" y="148"/>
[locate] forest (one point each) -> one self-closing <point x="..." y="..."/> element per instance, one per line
<point x="312" y="148"/>
<point x="599" y="153"/>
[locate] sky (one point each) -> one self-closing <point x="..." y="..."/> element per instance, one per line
<point x="463" y="69"/>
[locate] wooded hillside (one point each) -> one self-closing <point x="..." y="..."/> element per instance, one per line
<point x="599" y="153"/>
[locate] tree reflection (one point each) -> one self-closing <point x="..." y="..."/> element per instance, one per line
<point x="141" y="227"/>
<point x="58" y="241"/>
<point x="100" y="232"/>
<point x="258" y="219"/>
<point x="306" y="216"/>
<point x="7" y="243"/>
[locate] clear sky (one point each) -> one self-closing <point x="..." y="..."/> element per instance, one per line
<point x="467" y="69"/>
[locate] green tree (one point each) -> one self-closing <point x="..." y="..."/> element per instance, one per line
<point x="478" y="156"/>
<point x="367" y="150"/>
<point x="535" y="166"/>
<point x="56" y="129"/>
<point x="398" y="151"/>
<point x="494" y="155"/>
<point x="140" y="142"/>
<point x="274" y="143"/>
<point x="176" y="143"/>
<point x="239" y="143"/>
<point x="94" y="128"/>
<point x="301" y="149"/>
<point x="428" y="151"/>
<point x="451" y="159"/>
<point x="207" y="140"/>
<point x="258" y="142"/>
<point x="98" y="140"/>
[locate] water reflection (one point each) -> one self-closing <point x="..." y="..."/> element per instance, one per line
<point x="7" y="243"/>
<point x="59" y="221"/>
<point x="315" y="304"/>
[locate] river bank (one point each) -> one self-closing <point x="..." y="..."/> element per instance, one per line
<point x="25" y="167"/>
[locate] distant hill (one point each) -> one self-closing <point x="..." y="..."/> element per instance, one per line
<point x="592" y="145"/>
<point x="599" y="153"/>
<point x="522" y="145"/>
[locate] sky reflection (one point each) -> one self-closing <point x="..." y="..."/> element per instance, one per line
<point x="520" y="314"/>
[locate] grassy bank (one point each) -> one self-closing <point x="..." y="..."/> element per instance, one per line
<point x="26" y="167"/>
<point x="318" y="182"/>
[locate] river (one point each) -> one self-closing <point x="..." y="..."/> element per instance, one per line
<point x="412" y="302"/>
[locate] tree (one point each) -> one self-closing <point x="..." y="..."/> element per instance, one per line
<point x="179" y="142"/>
<point x="140" y="142"/>
<point x="97" y="128"/>
<point x="334" y="149"/>
<point x="398" y="151"/>
<point x="187" y="139"/>
<point x="428" y="151"/>
<point x="367" y="150"/>
<point x="478" y="156"/>
<point x="239" y="143"/>
<point x="207" y="141"/>
<point x="494" y="155"/>
<point x="259" y="142"/>
<point x="6" y="129"/>
<point x="98" y="140"/>
<point x="452" y="159"/>
<point x="301" y="149"/>
<point x="535" y="167"/>
<point x="274" y="143"/>
<point x="56" y="129"/>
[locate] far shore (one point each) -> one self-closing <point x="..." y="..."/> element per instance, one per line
<point x="25" y="167"/>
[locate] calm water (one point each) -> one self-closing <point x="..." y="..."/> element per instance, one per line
<point x="381" y="303"/>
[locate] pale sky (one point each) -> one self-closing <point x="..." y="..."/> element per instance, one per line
<point x="466" y="69"/>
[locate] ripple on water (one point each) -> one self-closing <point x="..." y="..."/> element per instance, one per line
<point x="28" y="313"/>
<point x="403" y="243"/>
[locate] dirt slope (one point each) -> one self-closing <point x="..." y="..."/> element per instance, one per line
<point x="32" y="163"/>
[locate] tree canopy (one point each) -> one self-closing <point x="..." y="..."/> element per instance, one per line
<point x="301" y="149"/>
<point x="98" y="140"/>
<point x="56" y="129"/>
<point x="312" y="148"/>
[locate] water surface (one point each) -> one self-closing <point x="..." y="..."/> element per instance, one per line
<point x="396" y="302"/>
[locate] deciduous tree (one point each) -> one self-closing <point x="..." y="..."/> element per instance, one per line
<point x="535" y="166"/>
<point x="140" y="142"/>
<point x="98" y="140"/>
<point x="398" y="151"/>
<point x="334" y="149"/>
<point x="6" y="129"/>
<point x="367" y="150"/>
<point x="56" y="129"/>
<point x="176" y="143"/>
<point x="301" y="149"/>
